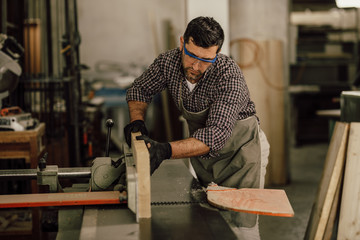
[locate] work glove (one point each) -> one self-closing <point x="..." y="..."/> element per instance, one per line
<point x="158" y="152"/>
<point x="135" y="126"/>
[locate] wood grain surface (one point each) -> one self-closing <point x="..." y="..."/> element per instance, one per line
<point x="272" y="202"/>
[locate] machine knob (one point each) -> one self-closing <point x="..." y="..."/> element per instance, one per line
<point x="109" y="124"/>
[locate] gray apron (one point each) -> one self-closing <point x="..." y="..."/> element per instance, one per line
<point x="238" y="164"/>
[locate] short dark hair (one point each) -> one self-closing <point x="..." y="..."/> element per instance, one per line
<point x="205" y="31"/>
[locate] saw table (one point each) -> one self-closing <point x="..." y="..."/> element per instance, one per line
<point x="177" y="208"/>
<point x="178" y="211"/>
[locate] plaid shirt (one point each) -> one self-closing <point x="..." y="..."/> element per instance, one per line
<point x="222" y="89"/>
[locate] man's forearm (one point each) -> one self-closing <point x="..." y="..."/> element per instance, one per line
<point x="185" y="148"/>
<point x="137" y="110"/>
<point x="190" y="147"/>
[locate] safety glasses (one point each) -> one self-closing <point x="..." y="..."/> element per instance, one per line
<point x="201" y="59"/>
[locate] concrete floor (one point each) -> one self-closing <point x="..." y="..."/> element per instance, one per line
<point x="306" y="165"/>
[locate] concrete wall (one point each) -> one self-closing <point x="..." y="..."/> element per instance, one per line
<point x="218" y="9"/>
<point x="259" y="33"/>
<point x="261" y="20"/>
<point x="126" y="31"/>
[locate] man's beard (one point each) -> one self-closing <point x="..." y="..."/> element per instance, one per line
<point x="192" y="76"/>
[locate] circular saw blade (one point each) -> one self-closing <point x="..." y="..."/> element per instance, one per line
<point x="8" y="81"/>
<point x="9" y="72"/>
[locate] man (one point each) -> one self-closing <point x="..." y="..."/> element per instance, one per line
<point x="210" y="91"/>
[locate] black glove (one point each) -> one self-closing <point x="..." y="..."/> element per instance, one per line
<point x="158" y="152"/>
<point x="135" y="126"/>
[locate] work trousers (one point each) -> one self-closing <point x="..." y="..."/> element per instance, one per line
<point x="251" y="233"/>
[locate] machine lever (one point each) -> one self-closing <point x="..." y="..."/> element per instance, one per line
<point x="42" y="162"/>
<point x="109" y="124"/>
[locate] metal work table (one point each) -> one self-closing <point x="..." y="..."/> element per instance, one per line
<point x="179" y="211"/>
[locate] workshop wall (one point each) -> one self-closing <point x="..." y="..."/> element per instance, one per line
<point x="123" y="30"/>
<point x="126" y="31"/>
<point x="119" y="39"/>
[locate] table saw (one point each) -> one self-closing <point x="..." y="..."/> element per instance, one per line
<point x="169" y="205"/>
<point x="99" y="210"/>
<point x="178" y="211"/>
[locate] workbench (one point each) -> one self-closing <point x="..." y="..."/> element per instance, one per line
<point x="29" y="144"/>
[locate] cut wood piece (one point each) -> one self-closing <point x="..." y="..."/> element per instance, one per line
<point x="349" y="221"/>
<point x="142" y="164"/>
<point x="332" y="174"/>
<point x="272" y="202"/>
<point x="59" y="199"/>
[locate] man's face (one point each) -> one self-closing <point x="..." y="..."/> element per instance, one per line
<point x="196" y="59"/>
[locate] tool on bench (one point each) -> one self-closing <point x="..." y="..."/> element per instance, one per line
<point x="16" y="122"/>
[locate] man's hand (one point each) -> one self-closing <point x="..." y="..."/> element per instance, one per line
<point x="135" y="126"/>
<point x="158" y="152"/>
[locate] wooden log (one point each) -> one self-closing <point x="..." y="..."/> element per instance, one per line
<point x="332" y="174"/>
<point x="349" y="221"/>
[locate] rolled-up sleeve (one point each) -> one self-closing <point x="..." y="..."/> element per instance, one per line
<point x="232" y="97"/>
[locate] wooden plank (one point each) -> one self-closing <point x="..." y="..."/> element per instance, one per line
<point x="142" y="163"/>
<point x="273" y="202"/>
<point x="32" y="46"/>
<point x="262" y="65"/>
<point x="349" y="222"/>
<point x="334" y="213"/>
<point x="332" y="174"/>
<point x="59" y="199"/>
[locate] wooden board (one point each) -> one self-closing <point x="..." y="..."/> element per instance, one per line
<point x="272" y="202"/>
<point x="334" y="214"/>
<point x="332" y="174"/>
<point x="349" y="222"/>
<point x="32" y="46"/>
<point x="59" y="199"/>
<point x="142" y="164"/>
<point x="263" y="68"/>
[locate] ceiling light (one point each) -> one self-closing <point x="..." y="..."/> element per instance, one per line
<point x="348" y="3"/>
